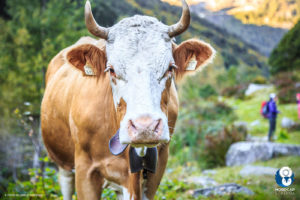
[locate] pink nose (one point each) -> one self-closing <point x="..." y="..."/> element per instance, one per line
<point x="145" y="130"/>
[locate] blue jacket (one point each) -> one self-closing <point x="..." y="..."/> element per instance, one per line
<point x="272" y="109"/>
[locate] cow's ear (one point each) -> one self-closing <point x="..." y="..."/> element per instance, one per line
<point x="191" y="56"/>
<point x="88" y="58"/>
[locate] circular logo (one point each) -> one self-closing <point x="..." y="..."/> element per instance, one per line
<point x="284" y="177"/>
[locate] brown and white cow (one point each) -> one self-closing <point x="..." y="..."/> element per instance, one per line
<point x="123" y="83"/>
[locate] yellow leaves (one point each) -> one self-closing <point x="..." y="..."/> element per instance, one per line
<point x="17" y="111"/>
<point x="22" y="37"/>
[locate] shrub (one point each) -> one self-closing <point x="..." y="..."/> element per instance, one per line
<point x="237" y="91"/>
<point x="196" y="120"/>
<point x="217" y="144"/>
<point x="260" y="80"/>
<point x="295" y="127"/>
<point x="207" y="91"/>
<point x="283" y="135"/>
<point x="44" y="185"/>
<point x="285" y="82"/>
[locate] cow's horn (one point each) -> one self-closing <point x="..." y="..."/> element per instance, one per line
<point x="91" y="23"/>
<point x="183" y="23"/>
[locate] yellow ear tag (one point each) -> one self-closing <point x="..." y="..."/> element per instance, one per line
<point x="88" y="70"/>
<point x="192" y="64"/>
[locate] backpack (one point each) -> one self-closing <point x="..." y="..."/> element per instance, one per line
<point x="264" y="109"/>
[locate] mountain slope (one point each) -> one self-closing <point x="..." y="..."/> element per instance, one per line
<point x="264" y="38"/>
<point x="274" y="13"/>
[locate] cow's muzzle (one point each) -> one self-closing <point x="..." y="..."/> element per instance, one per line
<point x="145" y="131"/>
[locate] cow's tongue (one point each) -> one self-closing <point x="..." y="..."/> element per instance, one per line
<point x="115" y="146"/>
<point x="137" y="163"/>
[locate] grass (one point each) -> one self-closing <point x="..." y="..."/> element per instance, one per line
<point x="175" y="186"/>
<point x="248" y="110"/>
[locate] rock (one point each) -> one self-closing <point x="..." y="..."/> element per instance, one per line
<point x="255" y="123"/>
<point x="209" y="172"/>
<point x="287" y="123"/>
<point x="204" y="181"/>
<point x="225" y="189"/>
<point x="248" y="152"/>
<point x="241" y="153"/>
<point x="240" y="123"/>
<point x="285" y="150"/>
<point x="257" y="170"/>
<point x="257" y="138"/>
<point x="255" y="87"/>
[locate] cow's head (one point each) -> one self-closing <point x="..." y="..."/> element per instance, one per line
<point x="143" y="61"/>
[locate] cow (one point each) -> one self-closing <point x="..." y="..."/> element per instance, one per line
<point x="110" y="105"/>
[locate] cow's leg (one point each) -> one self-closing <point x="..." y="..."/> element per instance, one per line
<point x="88" y="179"/>
<point x="151" y="184"/>
<point x="133" y="190"/>
<point x="66" y="181"/>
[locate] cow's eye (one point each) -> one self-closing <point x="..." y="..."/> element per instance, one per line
<point x="172" y="67"/>
<point x="169" y="72"/>
<point x="111" y="71"/>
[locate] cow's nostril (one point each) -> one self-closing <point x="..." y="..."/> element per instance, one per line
<point x="145" y="130"/>
<point x="145" y="124"/>
<point x="158" y="126"/>
<point x="132" y="124"/>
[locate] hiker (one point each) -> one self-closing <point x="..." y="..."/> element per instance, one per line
<point x="298" y="102"/>
<point x="272" y="115"/>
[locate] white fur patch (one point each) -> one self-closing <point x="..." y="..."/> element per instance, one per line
<point x="144" y="191"/>
<point x="141" y="151"/>
<point x="140" y="51"/>
<point x="112" y="185"/>
<point x="67" y="184"/>
<point x="144" y="197"/>
<point x="126" y="194"/>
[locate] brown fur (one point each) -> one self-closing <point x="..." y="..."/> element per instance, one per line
<point x="78" y="119"/>
<point x="88" y="54"/>
<point x="185" y="51"/>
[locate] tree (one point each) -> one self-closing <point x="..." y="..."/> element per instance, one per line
<point x="35" y="33"/>
<point x="286" y="56"/>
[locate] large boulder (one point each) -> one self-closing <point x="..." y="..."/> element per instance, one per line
<point x="257" y="138"/>
<point x="255" y="87"/>
<point x="287" y="123"/>
<point x="225" y="189"/>
<point x="241" y="153"/>
<point x="209" y="172"/>
<point x="255" y="123"/>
